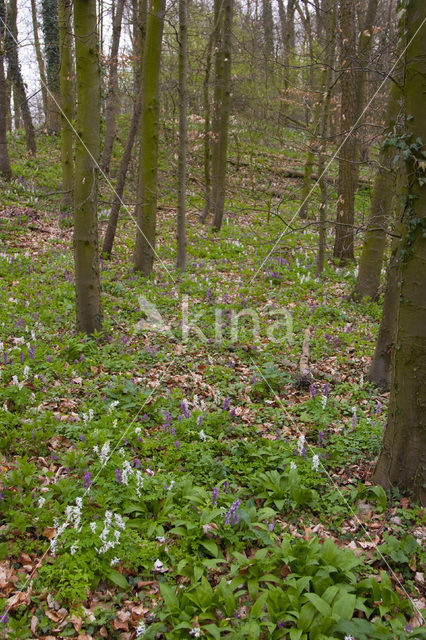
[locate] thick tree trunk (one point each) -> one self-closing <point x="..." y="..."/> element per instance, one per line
<point x="402" y="460"/>
<point x="51" y="49"/>
<point x="344" y="238"/>
<point x="11" y="50"/>
<point x="140" y="29"/>
<point x="40" y="61"/>
<point x="146" y="205"/>
<point x="65" y="41"/>
<point x="5" y="169"/>
<point x="183" y="108"/>
<point x="86" y="253"/>
<point x="112" y="99"/>
<point x="370" y="266"/>
<point x="222" y="106"/>
<point x="288" y="38"/>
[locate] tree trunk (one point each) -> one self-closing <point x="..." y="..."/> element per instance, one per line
<point x="112" y="100"/>
<point x="183" y="108"/>
<point x="127" y="152"/>
<point x="51" y="49"/>
<point x="206" y="137"/>
<point x="402" y="460"/>
<point x="319" y="124"/>
<point x="344" y="238"/>
<point x="146" y="205"/>
<point x="86" y="254"/>
<point x="365" y="43"/>
<point x="268" y="35"/>
<point x="288" y="38"/>
<point x="380" y="368"/>
<point x="222" y="105"/>
<point x="370" y="266"/>
<point x="11" y="51"/>
<point x="65" y="41"/>
<point x="5" y="169"/>
<point x="40" y="61"/>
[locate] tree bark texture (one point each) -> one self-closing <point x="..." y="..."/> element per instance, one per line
<point x="146" y="205"/>
<point x="67" y="99"/>
<point x="51" y="49"/>
<point x="5" y="169"/>
<point x="183" y="109"/>
<point x="86" y="253"/>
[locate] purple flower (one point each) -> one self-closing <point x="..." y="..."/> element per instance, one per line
<point x="200" y="420"/>
<point x="312" y="390"/>
<point x="232" y="413"/>
<point x="281" y="624"/>
<point x="215" y="495"/>
<point x="118" y="475"/>
<point x="177" y="444"/>
<point x="137" y="463"/>
<point x="82" y="438"/>
<point x="226" y="486"/>
<point x="379" y="407"/>
<point x="21" y="357"/>
<point x="185" y="409"/>
<point x="226" y="404"/>
<point x="232" y="512"/>
<point x="88" y="479"/>
<point x="31" y="352"/>
<point x="326" y="389"/>
<point x="320" y="437"/>
<point x="271" y="526"/>
<point x="3" y="617"/>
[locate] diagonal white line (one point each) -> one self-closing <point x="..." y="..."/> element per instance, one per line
<point x="348" y="135"/>
<point x="96" y="163"/>
<point x="354" y="515"/>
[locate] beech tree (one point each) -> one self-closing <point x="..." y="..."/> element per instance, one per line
<point x="40" y="59"/>
<point x="146" y="205"/>
<point x="402" y="460"/>
<point x="86" y="252"/>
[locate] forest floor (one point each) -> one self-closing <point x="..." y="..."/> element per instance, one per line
<point x="169" y="478"/>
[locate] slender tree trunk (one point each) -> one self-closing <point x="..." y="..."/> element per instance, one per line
<point x="268" y="35"/>
<point x="183" y="109"/>
<point x="344" y="238"/>
<point x="402" y="460"/>
<point x="110" y="232"/>
<point x="112" y="100"/>
<point x="206" y="137"/>
<point x="11" y="50"/>
<point x="365" y="43"/>
<point x="222" y="107"/>
<point x="65" y="41"/>
<point x="51" y="48"/>
<point x="146" y="205"/>
<point x="288" y="38"/>
<point x="370" y="266"/>
<point x="39" y="56"/>
<point x="86" y="253"/>
<point x="380" y="368"/>
<point x="5" y="169"/>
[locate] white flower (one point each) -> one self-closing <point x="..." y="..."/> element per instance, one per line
<point x="112" y="406"/>
<point x="138" y="430"/>
<point x="104" y="454"/>
<point x="196" y="632"/>
<point x="161" y="539"/>
<point x="139" y="482"/>
<point x="119" y="521"/>
<point x="26" y="371"/>
<point x="293" y="465"/>
<point x="203" y="436"/>
<point x="158" y="565"/>
<point x="79" y="502"/>
<point x="349" y="638"/>
<point x="323" y="401"/>
<point x="93" y="527"/>
<point x="315" y="462"/>
<point x="127" y="471"/>
<point x="73" y="548"/>
<point x="114" y="561"/>
<point x="301" y="443"/>
<point x="41" y="502"/>
<point x="95" y="448"/>
<point x="172" y="482"/>
<point x="140" y="629"/>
